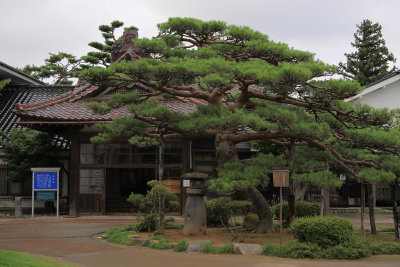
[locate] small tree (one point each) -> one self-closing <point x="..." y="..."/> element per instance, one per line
<point x="370" y="61"/>
<point x="154" y="206"/>
<point x="26" y="148"/>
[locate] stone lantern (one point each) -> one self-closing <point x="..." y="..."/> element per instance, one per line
<point x="195" y="209"/>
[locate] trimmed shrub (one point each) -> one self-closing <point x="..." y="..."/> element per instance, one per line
<point x="303" y="209"/>
<point x="148" y="224"/>
<point x="217" y="209"/>
<point x="387" y="248"/>
<point x="223" y="208"/>
<point x="322" y="231"/>
<point x="250" y="221"/>
<point x="354" y="249"/>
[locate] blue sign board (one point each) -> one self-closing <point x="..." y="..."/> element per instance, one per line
<point x="45" y="181"/>
<point x="45" y="196"/>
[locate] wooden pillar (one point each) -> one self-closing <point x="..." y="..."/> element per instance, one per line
<point x="74" y="174"/>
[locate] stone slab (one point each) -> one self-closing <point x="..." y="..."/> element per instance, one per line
<point x="247" y="249"/>
<point x="195" y="246"/>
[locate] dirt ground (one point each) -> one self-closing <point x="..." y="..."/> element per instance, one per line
<point x="72" y="240"/>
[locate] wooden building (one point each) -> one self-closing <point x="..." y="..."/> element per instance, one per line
<point x="101" y="176"/>
<point x="27" y="90"/>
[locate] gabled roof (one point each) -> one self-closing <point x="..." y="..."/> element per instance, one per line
<point x="17" y="77"/>
<point x="388" y="79"/>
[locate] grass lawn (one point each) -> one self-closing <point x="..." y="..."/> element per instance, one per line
<point x="12" y="259"/>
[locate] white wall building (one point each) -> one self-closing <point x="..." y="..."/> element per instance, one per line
<point x="384" y="93"/>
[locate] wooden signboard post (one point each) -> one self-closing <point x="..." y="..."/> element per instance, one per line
<point x="281" y="179"/>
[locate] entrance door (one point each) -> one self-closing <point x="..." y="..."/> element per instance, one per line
<point x="120" y="183"/>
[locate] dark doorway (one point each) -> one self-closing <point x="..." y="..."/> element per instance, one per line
<point x="120" y="183"/>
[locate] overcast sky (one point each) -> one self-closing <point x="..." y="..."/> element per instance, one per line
<point x="30" y="29"/>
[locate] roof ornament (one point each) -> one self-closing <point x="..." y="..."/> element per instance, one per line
<point x="125" y="49"/>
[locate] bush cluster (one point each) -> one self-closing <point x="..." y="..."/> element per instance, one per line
<point x="355" y="249"/>
<point x="322" y="231"/>
<point x="303" y="209"/>
<point x="223" y="209"/>
<point x="322" y="238"/>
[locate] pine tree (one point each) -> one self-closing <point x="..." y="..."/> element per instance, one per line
<point x="253" y="89"/>
<point x="370" y="61"/>
<point x="60" y="67"/>
<point x="102" y="57"/>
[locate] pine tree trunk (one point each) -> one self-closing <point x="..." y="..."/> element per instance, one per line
<point x="300" y="191"/>
<point x="263" y="210"/>
<point x="371" y="209"/>
<point x="291" y="195"/>
<point x="396" y="215"/>
<point x="322" y="209"/>
<point x="226" y="152"/>
<point x="161" y="201"/>
<point x="327" y="202"/>
<point x="362" y="209"/>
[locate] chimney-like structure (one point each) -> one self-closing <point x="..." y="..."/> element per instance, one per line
<point x="125" y="49"/>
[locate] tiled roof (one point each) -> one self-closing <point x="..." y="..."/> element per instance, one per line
<point x="25" y="95"/>
<point x="70" y="107"/>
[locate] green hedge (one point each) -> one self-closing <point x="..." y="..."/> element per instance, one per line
<point x="354" y="249"/>
<point x="223" y="208"/>
<point x="303" y="209"/>
<point x="322" y="231"/>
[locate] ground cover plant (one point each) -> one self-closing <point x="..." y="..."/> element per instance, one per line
<point x="181" y="246"/>
<point x="209" y="248"/>
<point x="13" y="258"/>
<point x="121" y="235"/>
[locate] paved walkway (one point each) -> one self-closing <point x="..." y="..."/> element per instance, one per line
<point x="71" y="239"/>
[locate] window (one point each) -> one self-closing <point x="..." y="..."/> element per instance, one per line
<point x="172" y="154"/>
<point x="92" y="154"/>
<point x="91" y="181"/>
<point x="117" y="154"/>
<point x="144" y="155"/>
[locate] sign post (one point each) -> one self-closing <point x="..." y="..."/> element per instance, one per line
<point x="281" y="179"/>
<point x="45" y="180"/>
